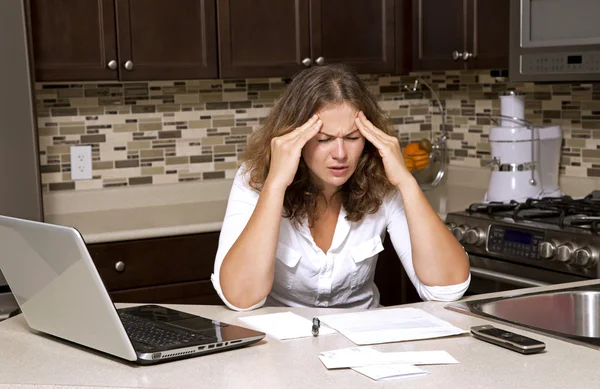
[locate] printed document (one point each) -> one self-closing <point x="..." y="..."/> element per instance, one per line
<point x="284" y="325"/>
<point x="392" y="370"/>
<point x="389" y="325"/>
<point x="367" y="356"/>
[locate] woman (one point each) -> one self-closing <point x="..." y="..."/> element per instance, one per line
<point x="322" y="180"/>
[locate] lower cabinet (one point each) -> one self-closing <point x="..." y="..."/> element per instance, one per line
<point x="176" y="270"/>
<point x="173" y="270"/>
<point x="394" y="285"/>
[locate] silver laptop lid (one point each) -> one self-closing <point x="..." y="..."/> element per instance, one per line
<point x="57" y="286"/>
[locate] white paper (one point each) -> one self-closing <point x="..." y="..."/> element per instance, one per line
<point x="367" y="356"/>
<point x="389" y="325"/>
<point x="284" y="325"/>
<point x="393" y="370"/>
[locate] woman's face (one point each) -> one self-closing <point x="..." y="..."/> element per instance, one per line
<point x="332" y="154"/>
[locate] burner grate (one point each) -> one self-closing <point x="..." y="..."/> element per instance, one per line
<point x="562" y="211"/>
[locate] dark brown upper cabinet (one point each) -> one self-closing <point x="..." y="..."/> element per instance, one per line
<point x="460" y="34"/>
<point x="123" y="39"/>
<point x="174" y="39"/>
<point x="73" y="39"/>
<point x="359" y="33"/>
<point x="263" y="38"/>
<point x="489" y="38"/>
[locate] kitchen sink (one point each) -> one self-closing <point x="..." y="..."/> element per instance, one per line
<point x="570" y="314"/>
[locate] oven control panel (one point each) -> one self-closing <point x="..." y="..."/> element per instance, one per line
<point x="551" y="248"/>
<point x="514" y="242"/>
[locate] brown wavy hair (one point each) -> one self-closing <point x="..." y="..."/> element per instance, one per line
<point x="310" y="91"/>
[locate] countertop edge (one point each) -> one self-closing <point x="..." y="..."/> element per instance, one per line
<point x="149" y="233"/>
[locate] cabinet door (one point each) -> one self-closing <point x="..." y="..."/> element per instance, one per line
<point x="152" y="262"/>
<point x="73" y="40"/>
<point x="262" y="38"/>
<point x="488" y="26"/>
<point x="439" y="30"/>
<point x="166" y="40"/>
<point x="395" y="288"/>
<point x="359" y="33"/>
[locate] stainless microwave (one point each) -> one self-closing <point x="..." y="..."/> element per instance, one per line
<point x="554" y="40"/>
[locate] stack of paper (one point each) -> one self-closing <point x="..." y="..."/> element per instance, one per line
<point x="389" y="325"/>
<point x="384" y="372"/>
<point x="378" y="365"/>
<point x="284" y="325"/>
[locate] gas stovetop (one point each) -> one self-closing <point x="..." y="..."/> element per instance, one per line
<point x="558" y="233"/>
<point x="581" y="214"/>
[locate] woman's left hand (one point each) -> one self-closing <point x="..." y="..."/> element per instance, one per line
<point x="389" y="149"/>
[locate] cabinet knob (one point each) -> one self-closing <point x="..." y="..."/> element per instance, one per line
<point x="320" y="61"/>
<point x="120" y="266"/>
<point x="112" y="65"/>
<point x="466" y="55"/>
<point x="456" y="55"/>
<point x="307" y="62"/>
<point x="128" y="65"/>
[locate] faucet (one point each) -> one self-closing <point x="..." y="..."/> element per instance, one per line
<point x="439" y="145"/>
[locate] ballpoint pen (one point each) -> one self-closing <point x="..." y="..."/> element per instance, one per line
<point x="316" y="324"/>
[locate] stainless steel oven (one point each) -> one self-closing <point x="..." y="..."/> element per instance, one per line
<point x="554" y="40"/>
<point x="534" y="243"/>
<point x="490" y="275"/>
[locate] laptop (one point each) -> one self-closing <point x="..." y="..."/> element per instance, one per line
<point x="60" y="293"/>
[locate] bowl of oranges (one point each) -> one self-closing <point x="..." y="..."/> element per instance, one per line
<point x="423" y="162"/>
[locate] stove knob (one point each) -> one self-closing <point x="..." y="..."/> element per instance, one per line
<point x="564" y="252"/>
<point x="585" y="257"/>
<point x="475" y="236"/>
<point x="459" y="232"/>
<point x="547" y="250"/>
<point x="450" y="226"/>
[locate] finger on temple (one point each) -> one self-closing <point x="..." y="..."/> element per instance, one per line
<point x="368" y="134"/>
<point x="308" y="123"/>
<point x="310" y="132"/>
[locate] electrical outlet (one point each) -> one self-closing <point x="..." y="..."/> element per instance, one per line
<point x="81" y="162"/>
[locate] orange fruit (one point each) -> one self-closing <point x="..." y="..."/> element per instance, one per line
<point x="410" y="164"/>
<point x="412" y="148"/>
<point x="415" y="157"/>
<point x="422" y="164"/>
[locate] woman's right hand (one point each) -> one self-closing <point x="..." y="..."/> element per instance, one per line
<point x="286" y="151"/>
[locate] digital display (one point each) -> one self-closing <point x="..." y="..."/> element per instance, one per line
<point x="518" y="236"/>
<point x="574" y="59"/>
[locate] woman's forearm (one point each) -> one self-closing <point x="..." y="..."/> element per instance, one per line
<point x="247" y="271"/>
<point x="438" y="258"/>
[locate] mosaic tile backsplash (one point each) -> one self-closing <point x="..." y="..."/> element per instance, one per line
<point x="176" y="131"/>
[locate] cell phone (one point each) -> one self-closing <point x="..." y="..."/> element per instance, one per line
<point x="507" y="339"/>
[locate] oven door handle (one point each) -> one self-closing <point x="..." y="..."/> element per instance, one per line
<point x="503" y="277"/>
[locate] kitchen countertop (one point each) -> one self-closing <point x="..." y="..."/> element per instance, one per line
<point x="151" y="211"/>
<point x="38" y="361"/>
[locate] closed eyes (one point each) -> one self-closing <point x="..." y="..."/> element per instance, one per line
<point x="350" y="138"/>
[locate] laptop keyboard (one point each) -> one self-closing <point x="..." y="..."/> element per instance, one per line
<point x="149" y="333"/>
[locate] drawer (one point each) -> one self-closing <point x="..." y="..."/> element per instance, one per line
<point x="200" y="292"/>
<point x="151" y="262"/>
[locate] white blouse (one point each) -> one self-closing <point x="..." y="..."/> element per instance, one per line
<point x="305" y="276"/>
